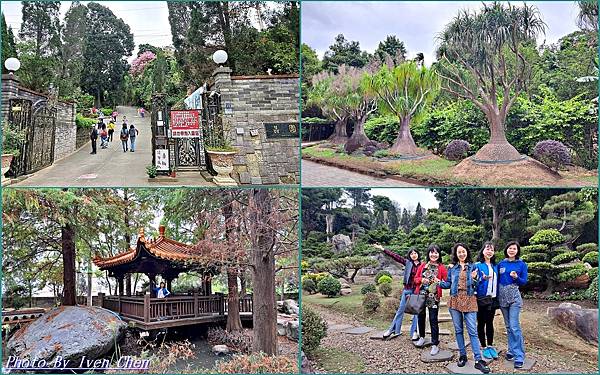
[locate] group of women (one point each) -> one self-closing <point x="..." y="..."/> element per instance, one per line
<point x="477" y="290"/>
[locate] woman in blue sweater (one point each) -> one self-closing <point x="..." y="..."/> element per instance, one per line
<point x="512" y="273"/>
<point x="487" y="301"/>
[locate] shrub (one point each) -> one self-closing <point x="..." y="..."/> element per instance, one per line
<point x="384" y="279"/>
<point x="571" y="274"/>
<point x="385" y="288"/>
<point x="107" y="111"/>
<point x="314" y="328"/>
<point x="533" y="248"/>
<point x="381" y="273"/>
<point x="547" y="236"/>
<point x="84" y="122"/>
<point x="593" y="272"/>
<point x="257" y="363"/>
<point x="316" y="277"/>
<point x="237" y="341"/>
<point x="591" y="258"/>
<point x="565" y="257"/>
<point x="369" y="288"/>
<point x="389" y="307"/>
<point x="329" y="286"/>
<point x="381" y="154"/>
<point x="309" y="285"/>
<point x="552" y="153"/>
<point x="592" y="290"/>
<point x="586" y="248"/>
<point x="534" y="257"/>
<point x="457" y="150"/>
<point x="540" y="266"/>
<point x="382" y="129"/>
<point x="371" y="301"/>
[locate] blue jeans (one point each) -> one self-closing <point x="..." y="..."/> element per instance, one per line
<point x="132" y="141"/>
<point x="470" y="318"/>
<point x="516" y="345"/>
<point x="397" y="322"/>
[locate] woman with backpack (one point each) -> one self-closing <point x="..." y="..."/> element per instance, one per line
<point x="487" y="301"/>
<point x="133" y="133"/>
<point x="124" y="136"/>
<point x="103" y="137"/>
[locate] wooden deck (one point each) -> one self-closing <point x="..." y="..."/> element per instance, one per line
<point x="154" y="313"/>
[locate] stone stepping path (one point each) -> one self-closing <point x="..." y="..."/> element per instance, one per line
<point x="527" y="365"/>
<point x="442" y="356"/>
<point x="358" y="330"/>
<point x="338" y="327"/>
<point x="469" y="368"/>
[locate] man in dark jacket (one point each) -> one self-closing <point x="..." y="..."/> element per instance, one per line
<point x="94" y="138"/>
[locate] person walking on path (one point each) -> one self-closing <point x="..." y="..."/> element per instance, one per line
<point x="133" y="133"/>
<point x="142" y="112"/>
<point x="411" y="262"/>
<point x="462" y="282"/>
<point x="104" y="137"/>
<point x="512" y="273"/>
<point x="111" y="131"/>
<point x="93" y="138"/>
<point x="125" y="121"/>
<point x="114" y="115"/>
<point x="99" y="125"/>
<point x="487" y="301"/>
<point x="427" y="274"/>
<point x="124" y="136"/>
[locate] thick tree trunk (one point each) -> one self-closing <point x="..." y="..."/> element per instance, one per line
<point x="234" y="322"/>
<point x="263" y="260"/>
<point x="359" y="137"/>
<point x="329" y="225"/>
<point x="68" y="250"/>
<point x="498" y="148"/>
<point x="404" y="144"/>
<point x="128" y="284"/>
<point x="243" y="283"/>
<point x="340" y="134"/>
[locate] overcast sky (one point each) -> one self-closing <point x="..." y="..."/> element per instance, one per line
<point x="148" y="20"/>
<point x="416" y="23"/>
<point x="408" y="197"/>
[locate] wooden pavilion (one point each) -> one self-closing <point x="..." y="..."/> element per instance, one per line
<point x="167" y="258"/>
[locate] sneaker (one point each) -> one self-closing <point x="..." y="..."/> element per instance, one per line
<point x="509" y="357"/>
<point x="481" y="366"/>
<point x="518" y="365"/>
<point x="493" y="352"/>
<point x="462" y="361"/>
<point x="435" y="350"/>
<point x="415" y="336"/>
<point x="486" y="352"/>
<point x="387" y="333"/>
<point x="420" y="341"/>
<point x="393" y="335"/>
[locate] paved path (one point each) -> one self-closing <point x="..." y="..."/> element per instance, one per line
<point x="315" y="174"/>
<point x="110" y="167"/>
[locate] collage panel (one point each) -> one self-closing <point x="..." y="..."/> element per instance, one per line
<point x="449" y="280"/>
<point x="446" y="93"/>
<point x="123" y="280"/>
<point x="152" y="93"/>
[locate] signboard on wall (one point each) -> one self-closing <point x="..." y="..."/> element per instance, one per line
<point x="194" y="101"/>
<point x="185" y="124"/>
<point x="281" y="130"/>
<point x="161" y="157"/>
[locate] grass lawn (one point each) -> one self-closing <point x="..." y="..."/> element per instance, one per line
<point x="337" y="361"/>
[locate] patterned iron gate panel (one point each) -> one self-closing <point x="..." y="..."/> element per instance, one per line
<point x="212" y="124"/>
<point x="20" y="115"/>
<point x="41" y="152"/>
<point x="189" y="153"/>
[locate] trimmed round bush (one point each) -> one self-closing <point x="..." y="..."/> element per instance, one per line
<point x="593" y="272"/>
<point x="389" y="307"/>
<point x="571" y="274"/>
<point x="381" y="273"/>
<point x="369" y="288"/>
<point x="384" y="279"/>
<point x="565" y="257"/>
<point x="309" y="285"/>
<point x="592" y="290"/>
<point x="587" y="247"/>
<point x="371" y="301"/>
<point x="534" y="257"/>
<point x="533" y="248"/>
<point x="314" y="328"/>
<point x="553" y="154"/>
<point x="547" y="236"/>
<point x="329" y="286"/>
<point x="540" y="266"/>
<point x="591" y="258"/>
<point x="385" y="289"/>
<point x="457" y="150"/>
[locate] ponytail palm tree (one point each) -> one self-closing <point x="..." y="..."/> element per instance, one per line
<point x="482" y="59"/>
<point x="404" y="91"/>
<point x="324" y="95"/>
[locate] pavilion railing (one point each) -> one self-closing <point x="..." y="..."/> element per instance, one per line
<point x="147" y="309"/>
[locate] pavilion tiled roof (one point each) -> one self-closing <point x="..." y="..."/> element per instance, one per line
<point x="161" y="247"/>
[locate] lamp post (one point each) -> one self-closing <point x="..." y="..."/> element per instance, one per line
<point x="219" y="57"/>
<point x="12" y="64"/>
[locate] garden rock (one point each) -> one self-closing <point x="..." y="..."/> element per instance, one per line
<point x="341" y="243"/>
<point x="469" y="368"/>
<point x="220" y="349"/>
<point x="345" y="291"/>
<point x="584" y="322"/>
<point x="385" y="263"/>
<point x="71" y="332"/>
<point x="442" y="356"/>
<point x="344" y="283"/>
<point x="291" y="331"/>
<point x="358" y="330"/>
<point x="291" y="307"/>
<point x="527" y="364"/>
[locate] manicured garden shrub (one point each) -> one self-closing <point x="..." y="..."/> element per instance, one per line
<point x="533" y="248"/>
<point x="586" y="248"/>
<point x="592" y="290"/>
<point x="314" y="328"/>
<point x="552" y="153"/>
<point x="571" y="274"/>
<point x="564" y="257"/>
<point x="84" y="122"/>
<point x="382" y="128"/>
<point x="368" y="288"/>
<point x="381" y="273"/>
<point x="540" y="266"/>
<point x="384" y="279"/>
<point x="385" y="288"/>
<point x="591" y="258"/>
<point x="547" y="236"/>
<point x="534" y="257"/>
<point x="316" y="277"/>
<point x="329" y="286"/>
<point x="381" y="154"/>
<point x="309" y="285"/>
<point x="257" y="363"/>
<point x="389" y="307"/>
<point x="371" y="301"/>
<point x="107" y="111"/>
<point x="593" y="272"/>
<point x="457" y="150"/>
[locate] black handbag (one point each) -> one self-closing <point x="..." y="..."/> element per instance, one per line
<point x="415" y="304"/>
<point x="485" y="303"/>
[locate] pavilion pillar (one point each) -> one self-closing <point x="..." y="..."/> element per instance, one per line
<point x="169" y="281"/>
<point x="120" y="280"/>
<point x="128" y="284"/>
<point x="206" y="286"/>
<point x="152" y="278"/>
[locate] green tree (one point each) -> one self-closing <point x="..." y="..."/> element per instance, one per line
<point x="9" y="48"/>
<point x="391" y="48"/>
<point x="72" y="48"/>
<point x="311" y="64"/>
<point x="343" y="52"/>
<point x="41" y="25"/>
<point x="359" y="101"/>
<point x="330" y="96"/>
<point x="483" y="59"/>
<point x="385" y="212"/>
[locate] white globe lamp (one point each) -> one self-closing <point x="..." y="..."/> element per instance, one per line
<point x="12" y="64"/>
<point x="219" y="57"/>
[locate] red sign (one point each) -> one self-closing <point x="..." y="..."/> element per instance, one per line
<point x="185" y="124"/>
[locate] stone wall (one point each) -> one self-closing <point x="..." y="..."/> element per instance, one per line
<point x="255" y="101"/>
<point x="65" y="136"/>
<point x="83" y="137"/>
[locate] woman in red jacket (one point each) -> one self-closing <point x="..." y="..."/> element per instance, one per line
<point x="427" y="279"/>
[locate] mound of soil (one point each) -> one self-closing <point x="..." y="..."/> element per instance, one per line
<point x="526" y="172"/>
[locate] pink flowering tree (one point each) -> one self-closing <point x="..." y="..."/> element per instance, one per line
<point x="139" y="64"/>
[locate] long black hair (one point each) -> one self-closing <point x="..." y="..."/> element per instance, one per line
<point x="431" y="248"/>
<point x="412" y="250"/>
<point x="481" y="258"/>
<point x="455" y="259"/>
<point x="509" y="244"/>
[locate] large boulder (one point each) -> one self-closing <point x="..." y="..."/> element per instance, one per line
<point x="288" y="325"/>
<point x="385" y="263"/>
<point x="342" y="244"/>
<point x="584" y="322"/>
<point x="70" y="332"/>
<point x="291" y="307"/>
